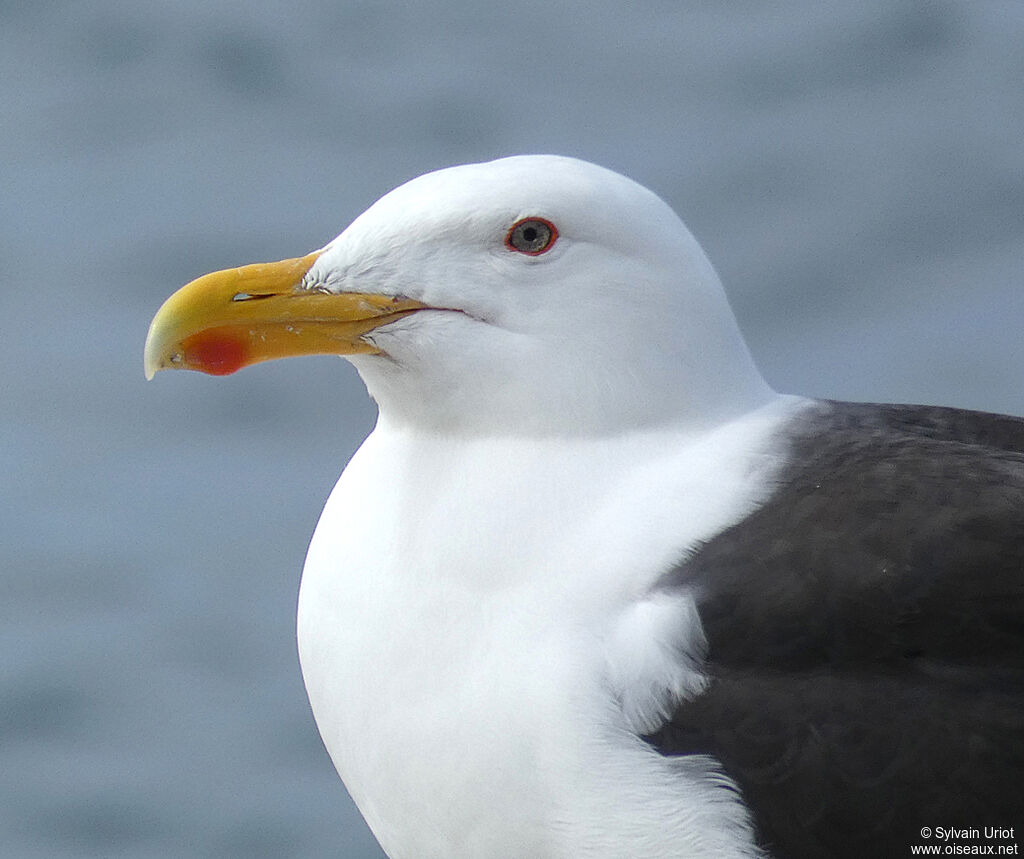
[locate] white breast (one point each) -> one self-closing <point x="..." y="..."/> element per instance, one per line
<point x="480" y="642"/>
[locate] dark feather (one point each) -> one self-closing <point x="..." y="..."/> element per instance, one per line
<point x="866" y="634"/>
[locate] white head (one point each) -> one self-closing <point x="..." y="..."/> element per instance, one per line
<point x="620" y="322"/>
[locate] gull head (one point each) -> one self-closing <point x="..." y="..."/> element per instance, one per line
<point x="532" y="294"/>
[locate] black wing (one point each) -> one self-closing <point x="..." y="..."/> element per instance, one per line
<point x="866" y="635"/>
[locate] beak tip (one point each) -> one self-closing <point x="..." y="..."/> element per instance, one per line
<point x="150" y="362"/>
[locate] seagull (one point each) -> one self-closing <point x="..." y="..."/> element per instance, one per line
<point x="591" y="588"/>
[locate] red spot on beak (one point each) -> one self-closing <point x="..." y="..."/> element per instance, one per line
<point x="216" y="353"/>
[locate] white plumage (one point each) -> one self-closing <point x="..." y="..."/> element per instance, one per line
<point x="477" y="627"/>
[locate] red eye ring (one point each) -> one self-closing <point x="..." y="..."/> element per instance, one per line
<point x="531" y="236"/>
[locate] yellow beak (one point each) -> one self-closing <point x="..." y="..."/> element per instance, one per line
<point x="227" y="320"/>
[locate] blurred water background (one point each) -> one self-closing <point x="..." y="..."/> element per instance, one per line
<point x="855" y="170"/>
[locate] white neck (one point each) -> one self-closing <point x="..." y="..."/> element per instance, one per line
<point x="465" y="687"/>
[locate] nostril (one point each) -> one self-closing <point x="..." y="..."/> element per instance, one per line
<point x="247" y="296"/>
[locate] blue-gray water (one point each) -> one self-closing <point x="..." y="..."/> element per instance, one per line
<point x="855" y="170"/>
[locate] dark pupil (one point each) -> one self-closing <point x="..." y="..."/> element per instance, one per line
<point x="531" y="236"/>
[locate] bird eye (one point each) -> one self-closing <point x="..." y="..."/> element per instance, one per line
<point x="531" y="236"/>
